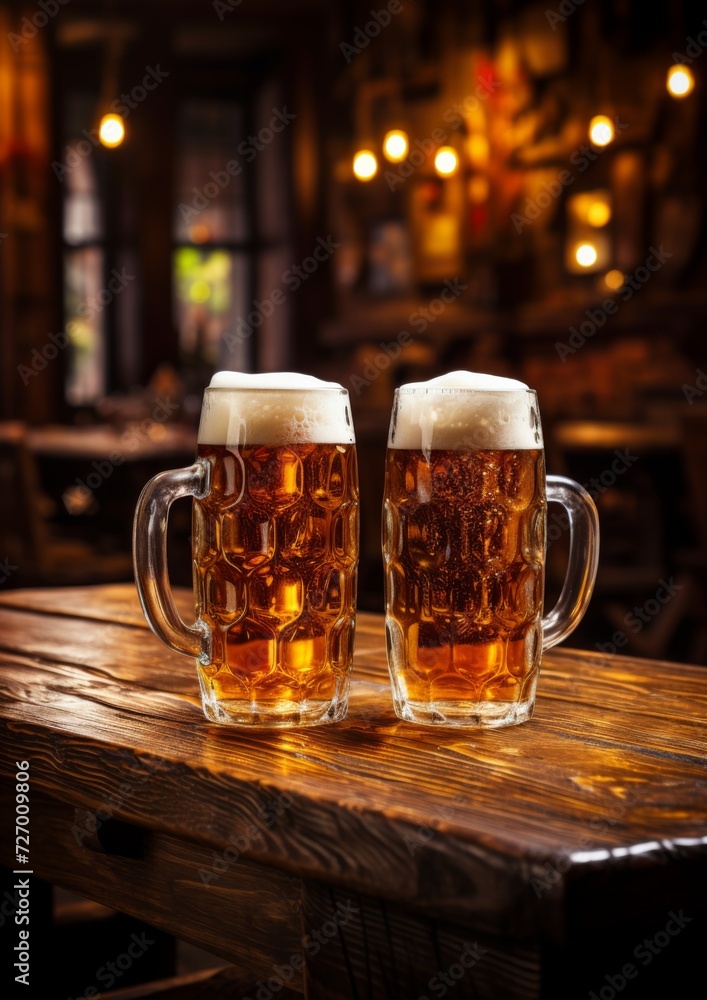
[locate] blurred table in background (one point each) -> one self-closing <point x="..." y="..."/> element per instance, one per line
<point x="92" y="476"/>
<point x="133" y="443"/>
<point x="635" y="470"/>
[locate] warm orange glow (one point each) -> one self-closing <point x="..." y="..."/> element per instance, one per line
<point x="199" y="232"/>
<point x="614" y="279"/>
<point x="598" y="213"/>
<point x="111" y="131"/>
<point x="601" y="130"/>
<point x="585" y="255"/>
<point x="478" y="189"/>
<point x="446" y="161"/>
<point x="681" y="81"/>
<point x="395" y="145"/>
<point x="477" y="147"/>
<point x="365" y="165"/>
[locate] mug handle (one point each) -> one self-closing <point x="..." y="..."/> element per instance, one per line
<point x="583" y="559"/>
<point x="150" y="559"/>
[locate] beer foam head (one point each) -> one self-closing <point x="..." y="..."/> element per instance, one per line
<point x="465" y="410"/>
<point x="275" y="408"/>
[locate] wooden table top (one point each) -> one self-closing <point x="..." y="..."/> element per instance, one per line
<point x="609" y="775"/>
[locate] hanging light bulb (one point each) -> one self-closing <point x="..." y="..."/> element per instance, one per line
<point x="446" y="161"/>
<point x="585" y="255"/>
<point x="365" y="165"/>
<point x="111" y="130"/>
<point x="601" y="130"/>
<point x="395" y="145"/>
<point x="681" y="81"/>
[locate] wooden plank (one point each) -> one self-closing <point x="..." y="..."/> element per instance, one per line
<point x="460" y="822"/>
<point x="379" y="951"/>
<point x="211" y="984"/>
<point x="247" y="914"/>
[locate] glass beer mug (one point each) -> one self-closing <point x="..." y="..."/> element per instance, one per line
<point x="464" y="518"/>
<point x="274" y="548"/>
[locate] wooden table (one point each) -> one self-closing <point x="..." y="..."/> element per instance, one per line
<point x="372" y="858"/>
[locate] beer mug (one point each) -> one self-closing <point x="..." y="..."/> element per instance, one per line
<point x="464" y="518"/>
<point x="274" y="547"/>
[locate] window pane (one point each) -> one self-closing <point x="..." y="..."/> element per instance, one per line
<point x="210" y="191"/>
<point x="210" y="288"/>
<point x="83" y="284"/>
<point x="83" y="221"/>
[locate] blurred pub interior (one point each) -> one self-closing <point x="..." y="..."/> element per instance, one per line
<point x="542" y="216"/>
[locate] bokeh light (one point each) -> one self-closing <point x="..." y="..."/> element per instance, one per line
<point x="111" y="131"/>
<point x="395" y="145"/>
<point x="365" y="165"/>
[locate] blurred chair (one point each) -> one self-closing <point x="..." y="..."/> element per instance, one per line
<point x="28" y="544"/>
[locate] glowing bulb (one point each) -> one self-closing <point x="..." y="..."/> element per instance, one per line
<point x="111" y="131"/>
<point x="395" y="145"/>
<point x="365" y="165"/>
<point x="680" y="81"/>
<point x="446" y="161"/>
<point x="601" y="130"/>
<point x="585" y="255"/>
<point x="598" y="214"/>
<point x="614" y="279"/>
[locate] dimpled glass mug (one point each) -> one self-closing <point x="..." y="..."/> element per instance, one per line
<point x="274" y="548"/>
<point x="464" y="521"/>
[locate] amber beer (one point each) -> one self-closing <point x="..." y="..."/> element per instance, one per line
<point x="464" y="565"/>
<point x="274" y="550"/>
<point x="464" y="548"/>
